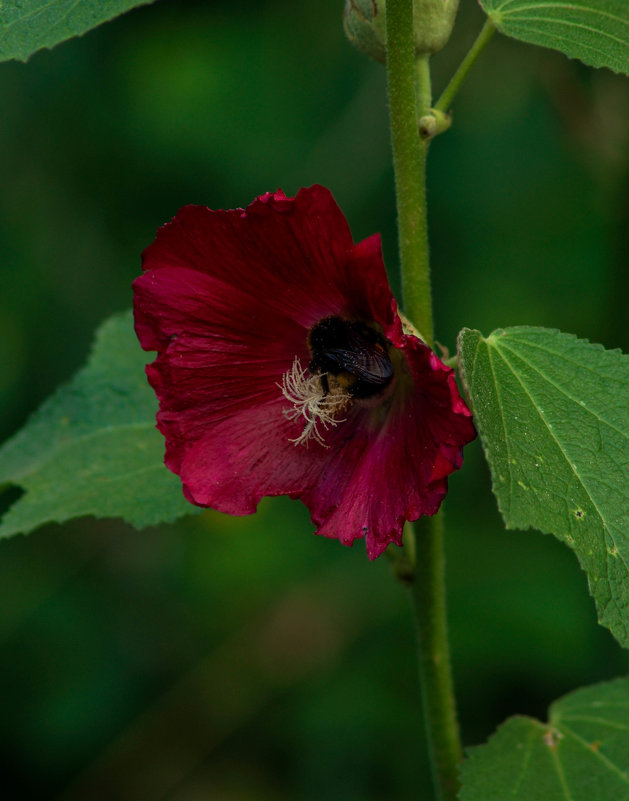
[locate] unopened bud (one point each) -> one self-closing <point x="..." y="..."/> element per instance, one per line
<point x="433" y="21"/>
<point x="364" y="23"/>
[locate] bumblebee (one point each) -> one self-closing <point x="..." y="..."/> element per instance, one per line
<point x="353" y="354"/>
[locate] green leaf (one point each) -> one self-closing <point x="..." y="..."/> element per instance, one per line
<point x="552" y="412"/>
<point x="27" y="26"/>
<point x="581" y="754"/>
<point x="92" y="448"/>
<point x="594" y="31"/>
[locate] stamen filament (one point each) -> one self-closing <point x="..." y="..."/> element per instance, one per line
<point x="310" y="400"/>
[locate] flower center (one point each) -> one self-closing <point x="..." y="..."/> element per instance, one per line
<point x="350" y="355"/>
<point x="350" y="363"/>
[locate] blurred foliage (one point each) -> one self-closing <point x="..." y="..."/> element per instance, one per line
<point x="244" y="658"/>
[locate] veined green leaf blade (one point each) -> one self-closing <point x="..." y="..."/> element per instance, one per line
<point x="92" y="448"/>
<point x="580" y="754"/>
<point x="553" y="415"/>
<point x="594" y="31"/>
<point x="27" y="26"/>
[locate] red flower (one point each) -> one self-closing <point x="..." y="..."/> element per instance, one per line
<point x="283" y="369"/>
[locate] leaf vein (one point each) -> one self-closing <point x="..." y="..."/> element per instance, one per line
<point x="575" y="42"/>
<point x="612" y="724"/>
<point x="570" y="7"/>
<point x="31" y="15"/>
<point x="529" y="343"/>
<point x="503" y="420"/>
<point x="562" y="450"/>
<point x="560" y="389"/>
<point x="596" y="753"/>
<point x="579" y="26"/>
<point x="561" y="776"/>
<point x="526" y="761"/>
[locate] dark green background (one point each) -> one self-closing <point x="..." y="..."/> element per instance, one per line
<point x="245" y="659"/>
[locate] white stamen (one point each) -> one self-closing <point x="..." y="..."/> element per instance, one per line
<point x="310" y="401"/>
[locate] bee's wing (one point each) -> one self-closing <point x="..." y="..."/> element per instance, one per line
<point x="369" y="363"/>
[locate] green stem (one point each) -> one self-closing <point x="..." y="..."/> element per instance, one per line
<point x="444" y="102"/>
<point x="409" y="162"/>
<point x="427" y="591"/>
<point x="409" y="100"/>
<point x="423" y="85"/>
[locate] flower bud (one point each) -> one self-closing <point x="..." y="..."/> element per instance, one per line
<point x="433" y="21"/>
<point x="363" y="21"/>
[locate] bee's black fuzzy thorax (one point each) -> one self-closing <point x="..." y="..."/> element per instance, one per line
<point x="354" y="353"/>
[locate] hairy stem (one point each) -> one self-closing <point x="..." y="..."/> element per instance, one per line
<point x="409" y="99"/>
<point x="427" y="590"/>
<point x="409" y="161"/>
